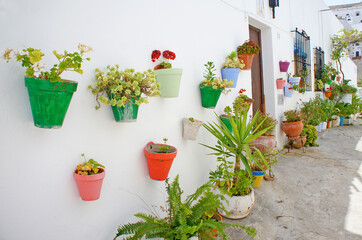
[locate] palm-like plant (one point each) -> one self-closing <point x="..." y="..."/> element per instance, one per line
<point x="185" y="219"/>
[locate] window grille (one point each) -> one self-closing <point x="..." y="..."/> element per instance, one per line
<point x="302" y="57"/>
<point x="318" y="66"/>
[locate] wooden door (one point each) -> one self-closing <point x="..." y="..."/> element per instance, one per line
<point x="257" y="73"/>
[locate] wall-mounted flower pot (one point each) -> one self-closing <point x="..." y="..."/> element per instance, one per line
<point x="261" y="141"/>
<point x="328" y="93"/>
<point x="209" y="96"/>
<point x="341" y="122"/>
<point x="294" y="80"/>
<point x="238" y="206"/>
<point x="347" y="98"/>
<point x="259" y="175"/>
<point x="90" y="186"/>
<point x="288" y="90"/>
<point x="230" y="74"/>
<point x="292" y="129"/>
<point x="127" y="113"/>
<point x="159" y="163"/>
<point x="49" y="101"/>
<point x="283" y="66"/>
<point x="280" y="83"/>
<point x="190" y="128"/>
<point x="169" y="80"/>
<point x="247" y="59"/>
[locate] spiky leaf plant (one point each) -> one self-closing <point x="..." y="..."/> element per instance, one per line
<point x="185" y="219"/>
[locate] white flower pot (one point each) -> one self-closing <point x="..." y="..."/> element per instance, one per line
<point x="348" y="121"/>
<point x="239" y="206"/>
<point x="347" y="98"/>
<point x="324" y="125"/>
<point x="190" y="129"/>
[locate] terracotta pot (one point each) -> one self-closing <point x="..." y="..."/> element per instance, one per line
<point x="261" y="141"/>
<point x="90" y="186"/>
<point x="247" y="59"/>
<point x="280" y="83"/>
<point x="328" y="93"/>
<point x="299" y="142"/>
<point x="292" y="129"/>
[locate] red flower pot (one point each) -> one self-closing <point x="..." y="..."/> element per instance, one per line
<point x="90" y="186"/>
<point x="284" y="66"/>
<point x="292" y="129"/>
<point x="261" y="141"/>
<point x="328" y="93"/>
<point x="280" y="83"/>
<point x="159" y="164"/>
<point x="247" y="59"/>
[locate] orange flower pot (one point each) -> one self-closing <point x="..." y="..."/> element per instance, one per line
<point x="261" y="141"/>
<point x="90" y="186"/>
<point x="159" y="164"/>
<point x="292" y="129"/>
<point x="328" y="93"/>
<point x="247" y="59"/>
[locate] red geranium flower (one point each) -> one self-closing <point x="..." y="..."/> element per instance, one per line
<point x="166" y="54"/>
<point x="242" y="91"/>
<point x="155" y="55"/>
<point x="172" y="55"/>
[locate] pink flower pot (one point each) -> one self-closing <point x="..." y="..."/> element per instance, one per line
<point x="280" y="83"/>
<point x="90" y="186"/>
<point x="284" y="66"/>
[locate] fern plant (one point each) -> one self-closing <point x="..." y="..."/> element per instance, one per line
<point x="184" y="219"/>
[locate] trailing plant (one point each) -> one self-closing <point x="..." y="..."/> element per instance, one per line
<point x="31" y="59"/>
<point x="265" y="121"/>
<point x="117" y="87"/>
<point x="248" y="47"/>
<point x="167" y="56"/>
<point x="211" y="80"/>
<point x="292" y="116"/>
<point x="311" y="133"/>
<point x="232" y="61"/>
<point x="184" y="219"/>
<point x="89" y="167"/>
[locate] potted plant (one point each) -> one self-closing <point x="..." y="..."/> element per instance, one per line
<point x="259" y="170"/>
<point x="191" y="127"/>
<point x="124" y="91"/>
<point x="328" y="92"/>
<point x="288" y="90"/>
<point x="231" y="69"/>
<point x="89" y="177"/>
<point x="280" y="83"/>
<point x="298" y="88"/>
<point x="185" y="218"/>
<point x="293" y="125"/>
<point x="295" y="79"/>
<point x="229" y="176"/>
<point x="345" y="109"/>
<point x="266" y="140"/>
<point x="246" y="53"/>
<point x="284" y="65"/>
<point x="212" y="87"/>
<point x="311" y="135"/>
<point x="159" y="159"/>
<point x="49" y="95"/>
<point x="168" y="77"/>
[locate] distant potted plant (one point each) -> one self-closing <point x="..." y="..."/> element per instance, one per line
<point x="299" y="89"/>
<point x="246" y="53"/>
<point x="295" y="79"/>
<point x="191" y="127"/>
<point x="311" y="135"/>
<point x="168" y="77"/>
<point x="49" y="95"/>
<point x="159" y="159"/>
<point x="267" y="140"/>
<point x="284" y="65"/>
<point x="231" y="68"/>
<point x="280" y="83"/>
<point x="89" y="177"/>
<point x="259" y="170"/>
<point x="212" y="87"/>
<point x="187" y="218"/>
<point x="345" y="109"/>
<point x="293" y="124"/>
<point x="328" y="92"/>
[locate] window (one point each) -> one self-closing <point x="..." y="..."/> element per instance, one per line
<point x="357" y="13"/>
<point x="318" y="65"/>
<point x="357" y="54"/>
<point x="302" y="57"/>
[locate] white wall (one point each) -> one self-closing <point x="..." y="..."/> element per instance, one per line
<point x="39" y="198"/>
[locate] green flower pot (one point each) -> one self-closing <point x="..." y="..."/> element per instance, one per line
<point x="49" y="101"/>
<point x="169" y="80"/>
<point x="127" y="113"/>
<point x="209" y="96"/>
<point x="226" y="121"/>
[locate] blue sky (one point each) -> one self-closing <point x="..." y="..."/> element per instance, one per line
<point x="340" y="2"/>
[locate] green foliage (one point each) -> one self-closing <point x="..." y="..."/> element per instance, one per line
<point x="292" y="116"/>
<point x="328" y="72"/>
<point x="345" y="109"/>
<point x="312" y="112"/>
<point x="211" y="80"/>
<point x="312" y="135"/>
<point x="164" y="148"/>
<point x="356" y="104"/>
<point x="264" y="121"/>
<point x="270" y="158"/>
<point x="117" y="87"/>
<point x="232" y="61"/>
<point x="248" y="47"/>
<point x="31" y="59"/>
<point x="89" y="167"/>
<point x="328" y="108"/>
<point x="299" y="89"/>
<point x="185" y="219"/>
<point x="318" y="84"/>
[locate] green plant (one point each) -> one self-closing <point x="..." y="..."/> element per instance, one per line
<point x="299" y="89"/>
<point x="240" y="104"/>
<point x="356" y="104"/>
<point x="248" y="47"/>
<point x="340" y="89"/>
<point x="117" y="87"/>
<point x="270" y="157"/>
<point x="328" y="108"/>
<point x="211" y="80"/>
<point x="345" y="109"/>
<point x="89" y="167"/>
<point x="312" y="135"/>
<point x="232" y="61"/>
<point x="318" y="85"/>
<point x="164" y="148"/>
<point x="312" y="112"/>
<point x="293" y="116"/>
<point x="184" y="219"/>
<point x="328" y="72"/>
<point x="192" y="119"/>
<point x="264" y="121"/>
<point x="31" y="58"/>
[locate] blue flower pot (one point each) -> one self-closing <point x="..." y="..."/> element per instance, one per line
<point x="342" y="121"/>
<point x="288" y="92"/>
<point x="230" y="74"/>
<point x="294" y="80"/>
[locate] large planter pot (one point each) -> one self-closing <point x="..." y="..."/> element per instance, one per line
<point x="239" y="206"/>
<point x="259" y="175"/>
<point x="292" y="129"/>
<point x="288" y="90"/>
<point x="341" y="120"/>
<point x="49" y="101"/>
<point x="299" y="142"/>
<point x="294" y="80"/>
<point x="347" y="98"/>
<point x="90" y="186"/>
<point x="159" y="164"/>
<point x="284" y="66"/>
<point x="335" y="123"/>
<point x="209" y="96"/>
<point x="230" y="74"/>
<point x="328" y="93"/>
<point x="169" y="80"/>
<point x="127" y="113"/>
<point x="261" y="141"/>
<point x="280" y="83"/>
<point x="190" y="129"/>
<point x="247" y="59"/>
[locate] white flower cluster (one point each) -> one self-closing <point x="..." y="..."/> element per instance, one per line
<point x="84" y="48"/>
<point x="38" y="68"/>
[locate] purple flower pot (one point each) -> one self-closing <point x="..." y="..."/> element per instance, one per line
<point x="284" y="66"/>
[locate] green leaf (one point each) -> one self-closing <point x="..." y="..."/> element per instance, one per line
<point x="35" y="56"/>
